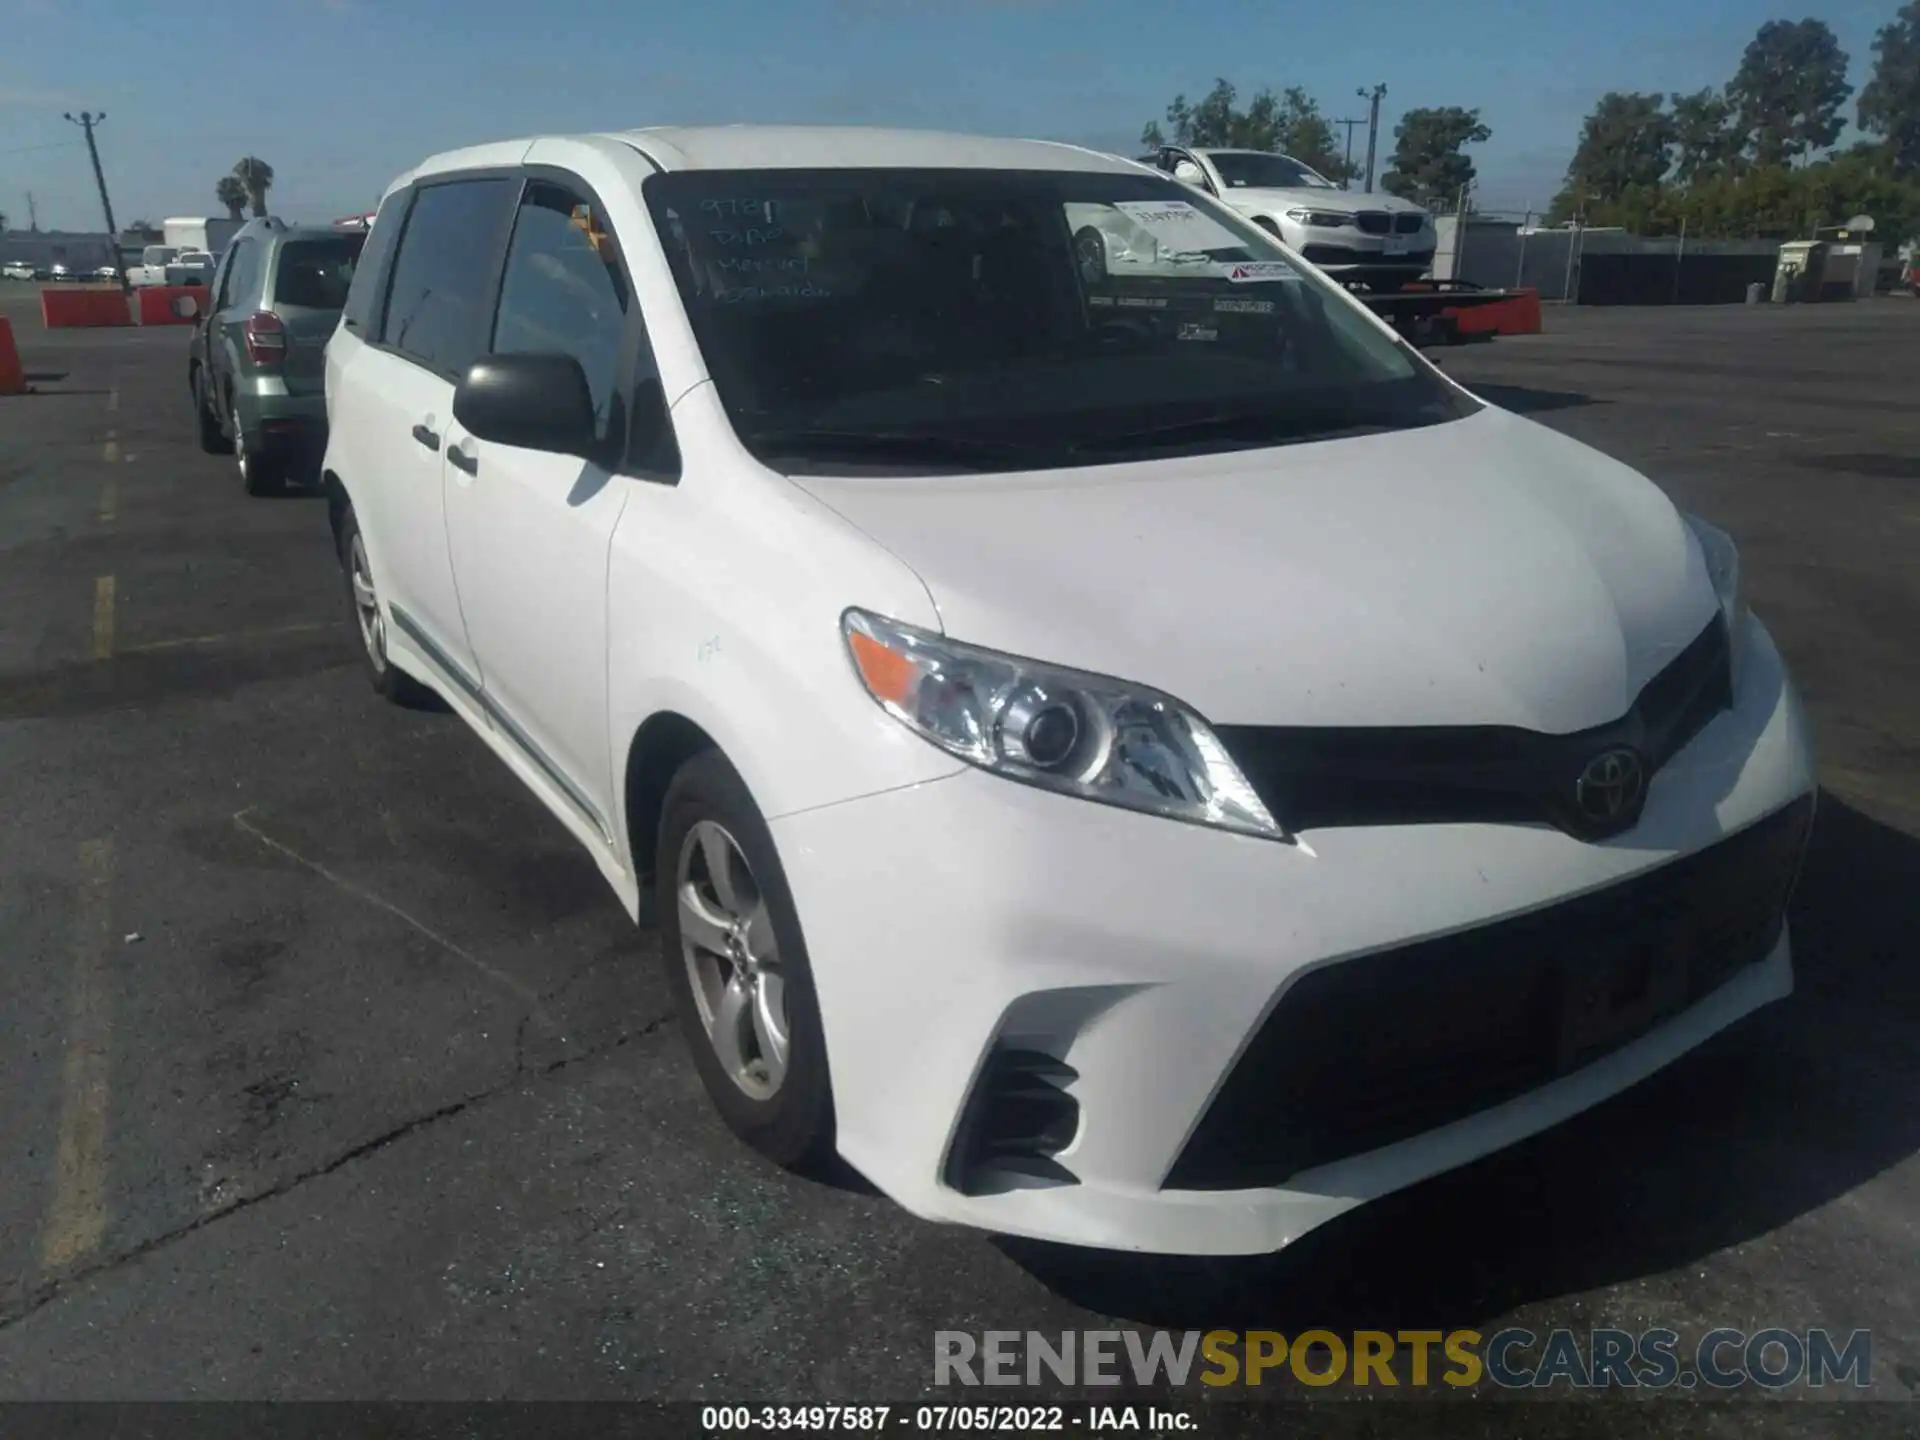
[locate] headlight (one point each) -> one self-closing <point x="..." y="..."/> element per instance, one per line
<point x="1320" y="219"/>
<point x="1723" y="569"/>
<point x="1061" y="730"/>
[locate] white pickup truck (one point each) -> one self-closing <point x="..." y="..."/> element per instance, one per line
<point x="152" y="269"/>
<point x="168" y="265"/>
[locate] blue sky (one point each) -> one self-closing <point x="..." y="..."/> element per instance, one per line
<point x="340" y="95"/>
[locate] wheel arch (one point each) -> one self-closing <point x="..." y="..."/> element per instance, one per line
<point x="665" y="741"/>
<point x="338" y="503"/>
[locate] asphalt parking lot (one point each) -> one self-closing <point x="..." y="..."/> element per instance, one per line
<point x="333" y="1070"/>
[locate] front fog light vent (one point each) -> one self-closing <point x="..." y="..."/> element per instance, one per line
<point x="1018" y="1118"/>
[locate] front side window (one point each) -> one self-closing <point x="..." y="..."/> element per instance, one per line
<point x="1016" y="320"/>
<point x="1252" y="170"/>
<point x="317" y="274"/>
<point x="563" y="292"/>
<point x="437" y="306"/>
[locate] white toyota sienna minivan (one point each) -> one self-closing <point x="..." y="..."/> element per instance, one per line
<point x="1129" y="755"/>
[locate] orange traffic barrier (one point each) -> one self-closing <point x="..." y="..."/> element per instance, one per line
<point x="65" y="309"/>
<point x="164" y="304"/>
<point x="13" y="379"/>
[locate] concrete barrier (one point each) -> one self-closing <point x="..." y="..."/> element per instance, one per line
<point x="1518" y="316"/>
<point x="170" y="304"/>
<point x="67" y="309"/>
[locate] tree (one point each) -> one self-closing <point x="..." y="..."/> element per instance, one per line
<point x="232" y="193"/>
<point x="1427" y="164"/>
<point x="1890" y="103"/>
<point x="1290" y="122"/>
<point x="1789" y="89"/>
<point x="1623" y="146"/>
<point x="256" y="176"/>
<point x="1704" y="141"/>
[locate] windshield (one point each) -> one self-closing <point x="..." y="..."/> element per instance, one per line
<point x="158" y="255"/>
<point x="1251" y="170"/>
<point x="317" y="273"/>
<point x="1016" y="320"/>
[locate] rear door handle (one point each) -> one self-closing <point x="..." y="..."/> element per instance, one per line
<point x="464" y="461"/>
<point x="426" y="437"/>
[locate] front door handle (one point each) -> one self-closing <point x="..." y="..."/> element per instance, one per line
<point x="462" y="460"/>
<point x="426" y="437"/>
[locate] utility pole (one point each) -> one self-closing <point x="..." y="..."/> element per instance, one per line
<point x="1373" y="126"/>
<point x="86" y="121"/>
<point x="1346" y="178"/>
<point x="33" y="214"/>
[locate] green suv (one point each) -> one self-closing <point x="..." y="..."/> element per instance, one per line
<point x="257" y="365"/>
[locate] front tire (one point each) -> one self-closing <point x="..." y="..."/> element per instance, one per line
<point x="737" y="966"/>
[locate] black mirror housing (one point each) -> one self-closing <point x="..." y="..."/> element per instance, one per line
<point x="537" y="402"/>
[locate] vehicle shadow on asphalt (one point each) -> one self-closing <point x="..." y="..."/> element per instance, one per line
<point x="1524" y="400"/>
<point x="1783" y="1114"/>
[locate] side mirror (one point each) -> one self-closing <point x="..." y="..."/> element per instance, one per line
<point x="537" y="402"/>
<point x="1189" y="172"/>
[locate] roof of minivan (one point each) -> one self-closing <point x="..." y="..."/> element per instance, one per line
<point x="801" y="147"/>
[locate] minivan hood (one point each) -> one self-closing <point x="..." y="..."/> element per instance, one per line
<point x="1482" y="572"/>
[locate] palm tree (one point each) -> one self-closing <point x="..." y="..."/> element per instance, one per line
<point x="232" y="194"/>
<point x="256" y="175"/>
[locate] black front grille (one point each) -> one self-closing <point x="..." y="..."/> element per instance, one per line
<point x="1316" y="778"/>
<point x="1408" y="222"/>
<point x="1373" y="222"/>
<point x="1365" y="1052"/>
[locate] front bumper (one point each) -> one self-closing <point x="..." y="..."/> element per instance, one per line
<point x="971" y="919"/>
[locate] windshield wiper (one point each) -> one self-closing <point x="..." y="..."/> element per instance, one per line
<point x="891" y="445"/>
<point x="1263" y="424"/>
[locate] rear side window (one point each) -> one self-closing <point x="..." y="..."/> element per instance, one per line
<point x="438" y="306"/>
<point x="317" y="274"/>
<point x="243" y="274"/>
<point x="372" y="265"/>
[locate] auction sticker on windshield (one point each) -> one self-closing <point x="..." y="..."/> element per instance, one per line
<point x="1257" y="270"/>
<point x="1178" y="226"/>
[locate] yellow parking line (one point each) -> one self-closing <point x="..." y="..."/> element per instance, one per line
<point x="113" y="399"/>
<point x="77" y="1217"/>
<point x="232" y="637"/>
<point x="109" y="501"/>
<point x="103" y="618"/>
<point x="110" y="452"/>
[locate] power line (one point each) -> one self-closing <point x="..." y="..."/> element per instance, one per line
<point x="29" y="149"/>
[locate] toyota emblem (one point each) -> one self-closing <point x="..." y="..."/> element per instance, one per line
<point x="1610" y="789"/>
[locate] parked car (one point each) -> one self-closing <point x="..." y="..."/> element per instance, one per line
<point x="1377" y="241"/>
<point x="191" y="267"/>
<point x="59" y="271"/>
<point x="18" y="270"/>
<point x="1133" y="759"/>
<point x="255" y="365"/>
<point x="107" y="272"/>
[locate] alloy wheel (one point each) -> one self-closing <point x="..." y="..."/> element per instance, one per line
<point x="366" y="603"/>
<point x="732" y="960"/>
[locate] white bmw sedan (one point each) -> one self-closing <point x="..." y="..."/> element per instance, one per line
<point x="1128" y="754"/>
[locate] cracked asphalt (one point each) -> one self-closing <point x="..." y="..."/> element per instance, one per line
<point x="332" y="1070"/>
